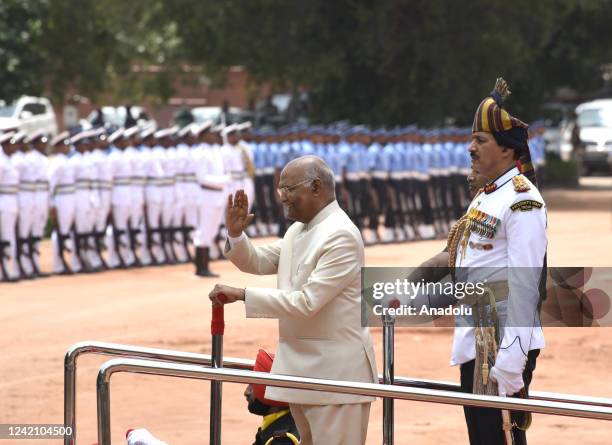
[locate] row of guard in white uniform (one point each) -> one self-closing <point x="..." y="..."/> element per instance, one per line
<point x="144" y="195"/>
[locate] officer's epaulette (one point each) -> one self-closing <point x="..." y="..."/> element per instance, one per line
<point x="520" y="184"/>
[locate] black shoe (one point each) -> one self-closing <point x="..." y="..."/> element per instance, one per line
<point x="206" y="273"/>
<point x="136" y="263"/>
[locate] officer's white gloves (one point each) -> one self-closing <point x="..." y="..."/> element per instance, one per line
<point x="508" y="383"/>
<point x="141" y="436"/>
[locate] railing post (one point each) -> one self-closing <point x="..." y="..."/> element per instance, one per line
<point x="388" y="370"/>
<point x="103" y="403"/>
<point x="70" y="396"/>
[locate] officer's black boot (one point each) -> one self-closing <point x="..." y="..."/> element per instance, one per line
<point x="99" y="240"/>
<point x="204" y="271"/>
<point x="22" y="251"/>
<point x="186" y="231"/>
<point x="35" y="256"/>
<point x="61" y="247"/>
<point x="6" y="278"/>
<point x="197" y="261"/>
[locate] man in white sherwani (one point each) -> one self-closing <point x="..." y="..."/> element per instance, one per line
<point x="317" y="300"/>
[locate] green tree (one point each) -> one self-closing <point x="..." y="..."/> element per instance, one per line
<point x="21" y="29"/>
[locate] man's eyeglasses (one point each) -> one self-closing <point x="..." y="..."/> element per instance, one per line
<point x="289" y="188"/>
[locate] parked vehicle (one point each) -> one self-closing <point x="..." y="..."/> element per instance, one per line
<point x="202" y="114"/>
<point x="594" y="121"/>
<point x="117" y="117"/>
<point x="28" y="114"/>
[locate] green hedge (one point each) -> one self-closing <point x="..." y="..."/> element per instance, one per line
<point x="561" y="173"/>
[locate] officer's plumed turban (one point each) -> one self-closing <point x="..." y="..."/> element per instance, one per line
<point x="263" y="363"/>
<point x="508" y="131"/>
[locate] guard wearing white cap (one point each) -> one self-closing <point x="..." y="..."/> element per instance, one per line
<point x="38" y="157"/>
<point x="120" y="254"/>
<point x="27" y="198"/>
<point x="188" y="185"/>
<point x="104" y="187"/>
<point x="213" y="182"/>
<point x="161" y="152"/>
<point x="246" y="153"/>
<point x="63" y="202"/>
<point x="9" y="208"/>
<point x="94" y="253"/>
<point x="233" y="159"/>
<point x="136" y="163"/>
<point x="86" y="204"/>
<point x="172" y="167"/>
<point x="152" y="251"/>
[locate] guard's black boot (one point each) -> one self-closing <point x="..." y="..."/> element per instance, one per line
<point x="204" y="259"/>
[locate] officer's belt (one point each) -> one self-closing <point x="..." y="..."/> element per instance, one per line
<point x="64" y="189"/>
<point x="8" y="190"/>
<point x="268" y="171"/>
<point x="122" y="181"/>
<point x="238" y="175"/>
<point x="137" y="180"/>
<point x="27" y="186"/>
<point x="494" y="292"/>
<point x="397" y="175"/>
<point x="379" y="174"/>
<point x="353" y="176"/>
<point x="155" y="181"/>
<point x="42" y="185"/>
<point x="213" y="189"/>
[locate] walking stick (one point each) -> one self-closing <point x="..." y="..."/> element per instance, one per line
<point x="217" y="328"/>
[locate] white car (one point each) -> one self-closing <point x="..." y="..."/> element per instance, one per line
<point x="595" y="122"/>
<point x="28" y="114"/>
<point x="203" y="114"/>
<point x="116" y="117"/>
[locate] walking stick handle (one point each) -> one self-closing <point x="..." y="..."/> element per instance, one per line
<point x="217" y="322"/>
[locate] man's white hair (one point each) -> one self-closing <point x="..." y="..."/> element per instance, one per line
<point x="314" y="167"/>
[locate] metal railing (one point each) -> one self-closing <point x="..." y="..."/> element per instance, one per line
<point x="165" y="355"/>
<point x="367" y="389"/>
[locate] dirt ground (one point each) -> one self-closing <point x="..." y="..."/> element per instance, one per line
<point x="168" y="308"/>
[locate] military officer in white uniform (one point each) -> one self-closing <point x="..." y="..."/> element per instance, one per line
<point x="246" y="151"/>
<point x="104" y="187"/>
<point x="27" y="201"/>
<point x="186" y="214"/>
<point x="86" y="203"/>
<point x="212" y="181"/>
<point x="152" y="251"/>
<point x="133" y="157"/>
<point x="38" y="156"/>
<point x="63" y="202"/>
<point x="9" y="208"/>
<point x="501" y="239"/>
<point x="166" y="188"/>
<point x="118" y="242"/>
